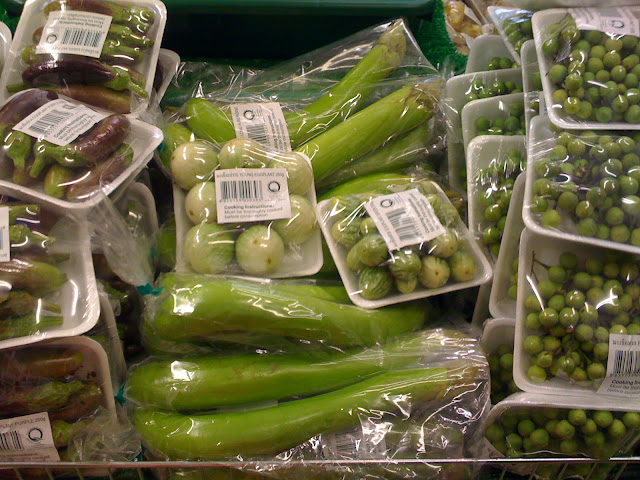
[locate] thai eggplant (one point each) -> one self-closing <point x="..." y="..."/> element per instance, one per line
<point x="174" y="135"/>
<point x="22" y="105"/>
<point x="17" y="146"/>
<point x="102" y="140"/>
<point x="35" y="277"/>
<point x="81" y="404"/>
<point x="35" y="363"/>
<point x="207" y="382"/>
<point x="70" y="71"/>
<point x="24" y="400"/>
<point x="220" y="305"/>
<point x="101" y="97"/>
<point x="22" y="238"/>
<point x="27" y="325"/>
<point x="23" y="213"/>
<point x="112" y="51"/>
<point x="57" y="179"/>
<point x="275" y="429"/>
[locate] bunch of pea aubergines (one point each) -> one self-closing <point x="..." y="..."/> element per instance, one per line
<point x="74" y="171"/>
<point x="106" y="82"/>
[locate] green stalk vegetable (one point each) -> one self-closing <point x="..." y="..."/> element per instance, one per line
<point x="195" y="309"/>
<point x="275" y="429"/>
<point x="371" y="127"/>
<point x="370" y="183"/>
<point x="207" y="382"/>
<point x="208" y="121"/>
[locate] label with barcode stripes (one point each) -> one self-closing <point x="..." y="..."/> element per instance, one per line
<point x="252" y="195"/>
<point x="5" y="242"/>
<point x="623" y="367"/>
<point x="27" y="438"/>
<point x="616" y="20"/>
<point x="74" y="32"/>
<point x="404" y="218"/>
<point x="262" y="122"/>
<point x="59" y="122"/>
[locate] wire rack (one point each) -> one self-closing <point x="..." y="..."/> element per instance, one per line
<point x="618" y="468"/>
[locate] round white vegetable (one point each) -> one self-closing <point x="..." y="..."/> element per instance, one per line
<point x="259" y="250"/>
<point x="299" y="171"/>
<point x="243" y="153"/>
<point x="208" y="248"/>
<point x="191" y="163"/>
<point x="300" y="227"/>
<point x="200" y="203"/>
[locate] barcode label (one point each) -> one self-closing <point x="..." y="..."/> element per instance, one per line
<point x="74" y="32"/>
<point x="5" y="243"/>
<point x="615" y="20"/>
<point x="59" y="122"/>
<point x="355" y="444"/>
<point x="262" y="122"/>
<point x="405" y="218"/>
<point x="27" y="438"/>
<point x="252" y="195"/>
<point x="623" y="367"/>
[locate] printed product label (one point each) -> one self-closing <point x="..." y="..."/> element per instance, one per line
<point x="252" y="194"/>
<point x="59" y="122"/>
<point x="74" y="32"/>
<point x="27" y="439"/>
<point x="354" y="444"/>
<point x="405" y="218"/>
<point x="623" y="367"/>
<point x="5" y="243"/>
<point x="262" y="122"/>
<point x="620" y="20"/>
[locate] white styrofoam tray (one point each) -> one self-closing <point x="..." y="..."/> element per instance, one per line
<point x="168" y="61"/>
<point x="491" y="108"/>
<point x="306" y="259"/>
<point x="541" y="140"/>
<point x="496" y="332"/>
<point x="5" y="43"/>
<point x="500" y="304"/>
<point x="499" y="15"/>
<point x="483" y="49"/>
<point x="350" y="278"/>
<point x="78" y="297"/>
<point x="457" y="89"/>
<point x="529" y="69"/>
<point x="541" y="21"/>
<point x="481" y="309"/>
<point x="142" y="137"/>
<point x="33" y="17"/>
<point x="481" y="152"/>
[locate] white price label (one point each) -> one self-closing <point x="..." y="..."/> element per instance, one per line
<point x="354" y="444"/>
<point x="27" y="439"/>
<point x="252" y="195"/>
<point x="74" y="32"/>
<point x="616" y="20"/>
<point x="623" y="367"/>
<point x="404" y="218"/>
<point x="262" y="122"/>
<point x="59" y="122"/>
<point x="5" y="242"/>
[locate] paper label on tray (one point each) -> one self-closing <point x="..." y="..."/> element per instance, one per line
<point x="354" y="444"/>
<point x="405" y="218"/>
<point x="27" y="439"/>
<point x="74" y="32"/>
<point x="59" y="122"/>
<point x="262" y="122"/>
<point x="5" y="242"/>
<point x="616" y="20"/>
<point x="252" y="195"/>
<point x="623" y="367"/>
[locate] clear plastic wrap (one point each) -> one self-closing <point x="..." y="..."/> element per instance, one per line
<point x="5" y="43"/>
<point x="463" y="26"/>
<point x="489" y="52"/>
<point x="576" y="312"/>
<point x="590" y="77"/>
<point x="528" y="425"/>
<point x="493" y="163"/>
<point x="514" y="25"/>
<point x="339" y="104"/>
<point x="101" y="53"/>
<point x="49" y="288"/>
<point x="503" y="115"/>
<point x="400" y="242"/>
<point x="583" y="186"/>
<point x="423" y="396"/>
<point x="61" y="152"/>
<point x="249" y="210"/>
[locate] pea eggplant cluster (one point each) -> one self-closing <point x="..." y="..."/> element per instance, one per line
<point x="31" y="274"/>
<point x="72" y="171"/>
<point x="106" y="82"/>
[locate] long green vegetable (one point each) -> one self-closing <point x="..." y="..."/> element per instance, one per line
<point x="275" y="429"/>
<point x="207" y="382"/>
<point x="370" y="183"/>
<point x="371" y="127"/>
<point x="196" y="309"/>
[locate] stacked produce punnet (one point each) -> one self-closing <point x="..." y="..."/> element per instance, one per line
<point x="515" y="27"/>
<point x="109" y="64"/>
<point x="489" y="52"/>
<point x="497" y="342"/>
<point x="532" y="82"/>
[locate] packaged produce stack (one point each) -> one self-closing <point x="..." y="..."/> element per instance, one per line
<point x="563" y="236"/>
<point x="75" y="80"/>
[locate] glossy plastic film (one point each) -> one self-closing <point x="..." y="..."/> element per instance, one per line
<point x="514" y="25"/>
